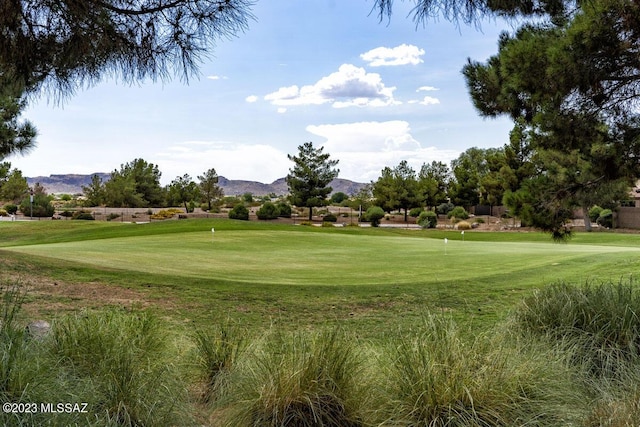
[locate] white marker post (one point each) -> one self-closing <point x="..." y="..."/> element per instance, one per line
<point x="445" y="245"/>
<point x="462" y="235"/>
<point x="212" y="233"/>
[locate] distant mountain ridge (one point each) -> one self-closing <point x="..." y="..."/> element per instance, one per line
<point x="73" y="183"/>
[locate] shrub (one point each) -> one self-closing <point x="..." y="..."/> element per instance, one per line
<point x="444" y="208"/>
<point x="606" y="218"/>
<point x="112" y="216"/>
<point x="479" y="220"/>
<point x="66" y="213"/>
<point x="41" y="206"/>
<point x="166" y="213"/>
<point x="240" y="212"/>
<point x="83" y="215"/>
<point x="428" y="219"/>
<point x="11" y="209"/>
<point x="458" y="213"/>
<point x="3" y="212"/>
<point x="284" y="210"/>
<point x="268" y="211"/>
<point x="464" y="225"/>
<point x="594" y="213"/>
<point x="415" y="212"/>
<point x="297" y="380"/>
<point x="374" y="214"/>
<point x="329" y="218"/>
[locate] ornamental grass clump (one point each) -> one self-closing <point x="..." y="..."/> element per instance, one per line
<point x="216" y="351"/>
<point x="298" y="380"/>
<point x="123" y="360"/>
<point x="599" y="323"/>
<point x="439" y="377"/>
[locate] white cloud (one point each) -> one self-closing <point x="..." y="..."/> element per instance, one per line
<point x="282" y="110"/>
<point x="214" y="77"/>
<point x="426" y="89"/>
<point x="365" y="148"/>
<point x="350" y="86"/>
<point x="251" y="99"/>
<point x="428" y="100"/>
<point x="400" y="55"/>
<point x="233" y="160"/>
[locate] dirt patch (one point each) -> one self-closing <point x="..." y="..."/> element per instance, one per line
<point x="46" y="297"/>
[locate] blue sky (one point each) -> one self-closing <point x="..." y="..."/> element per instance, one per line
<point x="372" y="93"/>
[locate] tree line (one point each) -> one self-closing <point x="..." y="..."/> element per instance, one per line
<point x="568" y="77"/>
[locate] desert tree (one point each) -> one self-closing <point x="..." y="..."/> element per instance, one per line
<point x="95" y="191"/>
<point x="309" y="179"/>
<point x="209" y="188"/>
<point x="397" y="188"/>
<point x="433" y="182"/>
<point x="183" y="190"/>
<point x="14" y="187"/>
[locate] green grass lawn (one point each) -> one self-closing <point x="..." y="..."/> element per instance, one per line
<point x="261" y="274"/>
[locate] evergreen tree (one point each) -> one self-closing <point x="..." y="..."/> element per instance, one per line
<point x="310" y="177"/>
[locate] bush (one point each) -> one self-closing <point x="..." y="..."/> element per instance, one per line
<point x="374" y="214"/>
<point x="284" y="210"/>
<point x="464" y="225"/>
<point x="11" y="209"/>
<point x="594" y="213"/>
<point x="240" y="212"/>
<point x="268" y="211"/>
<point x="444" y="208"/>
<point x="458" y="213"/>
<point x="415" y="212"/>
<point x="329" y="218"/>
<point x="606" y="218"/>
<point x="3" y="212"/>
<point x="83" y="215"/>
<point x="112" y="216"/>
<point x="166" y="213"/>
<point x="427" y="219"/>
<point x="41" y="206"/>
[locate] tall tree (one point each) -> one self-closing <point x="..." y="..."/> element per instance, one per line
<point x="209" y="187"/>
<point x="95" y="191"/>
<point x="135" y="184"/>
<point x="397" y="188"/>
<point x="574" y="87"/>
<point x="68" y="43"/>
<point x="183" y="190"/>
<point x="468" y="171"/>
<point x="310" y="177"/>
<point x="433" y="182"/>
<point x="14" y="187"/>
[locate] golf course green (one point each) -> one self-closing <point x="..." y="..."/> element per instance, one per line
<point x="315" y="272"/>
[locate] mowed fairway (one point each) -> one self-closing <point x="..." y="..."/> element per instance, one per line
<point x="255" y="271"/>
<point x="299" y="256"/>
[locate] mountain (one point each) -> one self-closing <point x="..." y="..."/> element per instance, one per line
<point x="66" y="184"/>
<point x="73" y="183"/>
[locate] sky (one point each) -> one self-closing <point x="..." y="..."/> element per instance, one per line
<point x="371" y="92"/>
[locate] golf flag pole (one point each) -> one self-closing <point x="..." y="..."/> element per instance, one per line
<point x="462" y="235"/>
<point x="445" y="245"/>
